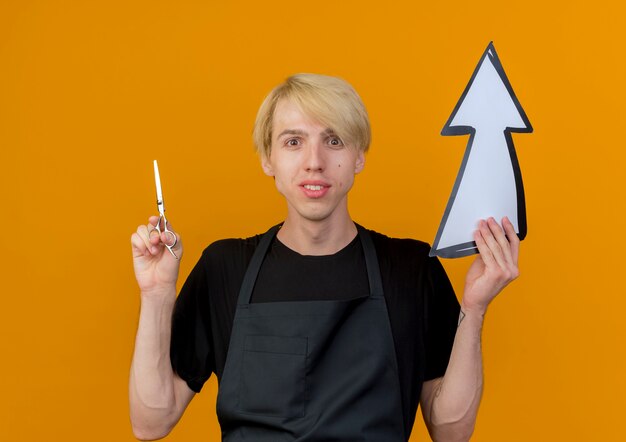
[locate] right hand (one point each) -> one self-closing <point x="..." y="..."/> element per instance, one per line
<point x="155" y="268"/>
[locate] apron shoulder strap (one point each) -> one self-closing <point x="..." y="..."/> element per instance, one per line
<point x="249" y="279"/>
<point x="371" y="262"/>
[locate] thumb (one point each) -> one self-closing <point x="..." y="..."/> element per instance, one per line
<point x="169" y="238"/>
<point x="172" y="240"/>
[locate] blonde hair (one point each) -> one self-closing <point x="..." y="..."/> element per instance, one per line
<point x="329" y="100"/>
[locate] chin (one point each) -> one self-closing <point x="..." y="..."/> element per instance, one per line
<point x="315" y="210"/>
<point x="314" y="215"/>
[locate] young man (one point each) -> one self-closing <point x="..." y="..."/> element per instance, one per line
<point x="318" y="330"/>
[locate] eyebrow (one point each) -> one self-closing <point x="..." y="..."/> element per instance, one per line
<point x="328" y="131"/>
<point x="292" y="132"/>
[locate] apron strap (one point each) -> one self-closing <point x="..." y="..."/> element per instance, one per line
<point x="371" y="263"/>
<point x="245" y="293"/>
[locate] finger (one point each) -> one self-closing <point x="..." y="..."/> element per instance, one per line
<point x="484" y="250"/>
<point x="501" y="239"/>
<point x="153" y="220"/>
<point x="169" y="238"/>
<point x="153" y="234"/>
<point x="514" y="241"/>
<point x="173" y="241"/>
<point x="142" y="231"/>
<point x="139" y="246"/>
<point x="144" y="234"/>
<point x="492" y="244"/>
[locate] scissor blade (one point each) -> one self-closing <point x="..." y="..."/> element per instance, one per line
<point x="157" y="180"/>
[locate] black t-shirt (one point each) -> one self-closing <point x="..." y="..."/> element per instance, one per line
<point x="423" y="309"/>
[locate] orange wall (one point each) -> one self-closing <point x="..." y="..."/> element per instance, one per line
<point x="92" y="91"/>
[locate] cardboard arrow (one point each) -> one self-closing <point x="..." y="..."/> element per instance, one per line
<point x="489" y="182"/>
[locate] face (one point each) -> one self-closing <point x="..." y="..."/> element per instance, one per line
<point x="312" y="167"/>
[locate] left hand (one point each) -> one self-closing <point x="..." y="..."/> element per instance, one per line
<point x="495" y="267"/>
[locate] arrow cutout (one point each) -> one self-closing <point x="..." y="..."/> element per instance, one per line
<point x="489" y="182"/>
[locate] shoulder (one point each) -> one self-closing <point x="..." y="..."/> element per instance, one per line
<point x="230" y="249"/>
<point x="404" y="259"/>
<point x="400" y="248"/>
<point x="231" y="245"/>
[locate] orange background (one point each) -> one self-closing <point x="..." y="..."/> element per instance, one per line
<point x="91" y="92"/>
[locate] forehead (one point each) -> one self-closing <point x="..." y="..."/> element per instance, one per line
<point x="288" y="115"/>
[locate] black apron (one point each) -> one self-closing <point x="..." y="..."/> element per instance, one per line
<point x="311" y="370"/>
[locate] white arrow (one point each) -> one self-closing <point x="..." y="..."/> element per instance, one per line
<point x="489" y="182"/>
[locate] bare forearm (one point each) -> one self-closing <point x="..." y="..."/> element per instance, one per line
<point x="151" y="390"/>
<point x="454" y="402"/>
<point x="457" y="398"/>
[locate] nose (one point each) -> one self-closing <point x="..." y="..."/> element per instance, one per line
<point x="314" y="160"/>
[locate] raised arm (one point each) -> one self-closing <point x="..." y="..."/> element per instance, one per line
<point x="157" y="396"/>
<point x="450" y="404"/>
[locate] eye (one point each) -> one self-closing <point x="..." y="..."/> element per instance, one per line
<point x="335" y="142"/>
<point x="293" y="142"/>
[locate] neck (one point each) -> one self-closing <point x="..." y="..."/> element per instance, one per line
<point x="323" y="237"/>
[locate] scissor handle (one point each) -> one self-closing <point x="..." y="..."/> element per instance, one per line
<point x="166" y="230"/>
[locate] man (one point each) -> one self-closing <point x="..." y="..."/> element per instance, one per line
<point x="319" y="329"/>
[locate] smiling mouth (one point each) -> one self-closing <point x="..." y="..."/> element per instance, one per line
<point x="312" y="187"/>
<point x="315" y="190"/>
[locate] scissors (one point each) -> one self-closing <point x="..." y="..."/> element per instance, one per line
<point x="161" y="207"/>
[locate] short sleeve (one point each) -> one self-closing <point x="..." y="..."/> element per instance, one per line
<point x="441" y="314"/>
<point x="191" y="350"/>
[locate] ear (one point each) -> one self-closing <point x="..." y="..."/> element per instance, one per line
<point x="266" y="165"/>
<point x="360" y="162"/>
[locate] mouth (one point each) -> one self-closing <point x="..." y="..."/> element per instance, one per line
<point x="315" y="190"/>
